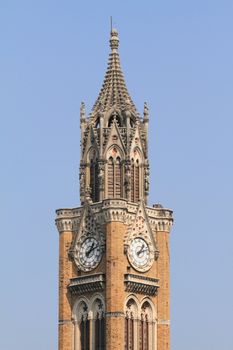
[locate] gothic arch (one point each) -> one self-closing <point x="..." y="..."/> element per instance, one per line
<point x="147" y="325"/>
<point x="151" y="305"/>
<point x="131" y="310"/>
<point x="140" y="324"/>
<point x="81" y="317"/>
<point x="113" y="111"/>
<point x="76" y="308"/>
<point x="93" y="300"/>
<point x="89" y="315"/>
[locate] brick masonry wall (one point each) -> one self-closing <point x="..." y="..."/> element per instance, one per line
<point x="65" y="273"/>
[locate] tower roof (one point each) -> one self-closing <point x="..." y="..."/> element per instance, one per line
<point x="114" y="92"/>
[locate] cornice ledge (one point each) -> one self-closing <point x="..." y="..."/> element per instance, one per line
<point x="117" y="214"/>
<point x="160" y="219"/>
<point x="68" y="219"/>
<point x="161" y="225"/>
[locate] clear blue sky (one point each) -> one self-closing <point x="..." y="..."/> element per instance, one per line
<point x="178" y="56"/>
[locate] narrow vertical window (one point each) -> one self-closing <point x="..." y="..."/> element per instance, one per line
<point x="102" y="333"/>
<point x="135" y="180"/>
<point x="117" y="178"/>
<point x="141" y="335"/>
<point x="145" y="326"/>
<point x="98" y="326"/>
<point x="97" y="333"/>
<point x="92" y="179"/>
<point x="110" y="178"/>
<point x="132" y="180"/>
<point x="114" y="178"/>
<point x="131" y="333"/>
<point x="130" y="317"/>
<point x="94" y="184"/>
<point x="85" y="333"/>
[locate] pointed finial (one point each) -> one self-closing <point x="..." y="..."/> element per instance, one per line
<point x="82" y="112"/>
<point x="114" y="40"/>
<point x="146" y="112"/>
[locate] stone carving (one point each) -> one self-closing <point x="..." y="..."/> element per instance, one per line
<point x="140" y="228"/>
<point x="88" y="227"/>
<point x="159" y="219"/>
<point x="141" y="284"/>
<point x="87" y="284"/>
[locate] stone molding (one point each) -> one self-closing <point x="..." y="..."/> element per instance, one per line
<point x="110" y="210"/>
<point x="115" y="314"/>
<point x="164" y="322"/>
<point x="86" y="284"/>
<point x="141" y="284"/>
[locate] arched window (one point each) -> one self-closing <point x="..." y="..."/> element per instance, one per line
<point x="135" y="180"/>
<point x="139" y="326"/>
<point x="114" y="118"/>
<point x="83" y="325"/>
<point x="146" y="327"/>
<point x="99" y="325"/>
<point x="89" y="327"/>
<point x="114" y="177"/>
<point x="131" y="325"/>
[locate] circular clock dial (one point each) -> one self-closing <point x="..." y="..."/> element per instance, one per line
<point x="139" y="254"/>
<point x="90" y="254"/>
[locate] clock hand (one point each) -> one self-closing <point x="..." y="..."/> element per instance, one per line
<point x="88" y="252"/>
<point x="144" y="250"/>
<point x="92" y="248"/>
<point x="139" y="252"/>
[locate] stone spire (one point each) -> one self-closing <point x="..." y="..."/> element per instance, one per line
<point x="114" y="160"/>
<point x="114" y="92"/>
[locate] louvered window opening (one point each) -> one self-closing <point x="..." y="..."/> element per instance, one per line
<point x="114" y="177"/>
<point x="94" y="183"/>
<point x="135" y="182"/>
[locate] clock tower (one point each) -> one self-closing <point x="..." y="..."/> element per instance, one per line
<point x="114" y="248"/>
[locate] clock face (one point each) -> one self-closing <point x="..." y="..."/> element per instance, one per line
<point x="89" y="254"/>
<point x="139" y="254"/>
